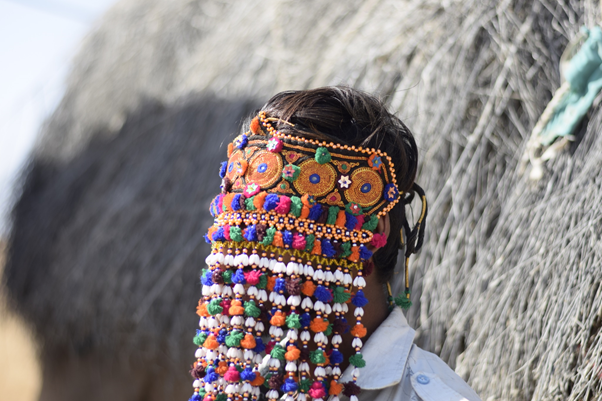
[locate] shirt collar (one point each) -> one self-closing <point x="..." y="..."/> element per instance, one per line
<point x="385" y="353"/>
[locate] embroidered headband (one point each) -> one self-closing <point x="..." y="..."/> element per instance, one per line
<point x="289" y="253"/>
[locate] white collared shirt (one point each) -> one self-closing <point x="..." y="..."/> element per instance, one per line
<point x="398" y="370"/>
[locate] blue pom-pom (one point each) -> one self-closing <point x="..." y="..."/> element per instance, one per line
<point x="239" y="277"/>
<point x="271" y="201"/>
<point x="247" y="374"/>
<point x="350" y="221"/>
<point x="365" y="253"/>
<point x="251" y="233"/>
<point x="221" y="337"/>
<point x="207" y="239"/>
<point x="195" y="397"/>
<point x="327" y="248"/>
<point x="241" y="141"/>
<point x="287" y="238"/>
<point x="218" y="235"/>
<point x="359" y="299"/>
<point x="289" y="385"/>
<point x="280" y="285"/>
<point x="222" y="169"/>
<point x="259" y="345"/>
<point x="206" y="279"/>
<point x="322" y="294"/>
<point x="305" y="319"/>
<point x="210" y="375"/>
<point x="236" y="202"/>
<point x="315" y="212"/>
<point x="346" y="325"/>
<point x="336" y="356"/>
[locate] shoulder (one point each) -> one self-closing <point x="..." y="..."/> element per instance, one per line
<point x="431" y="379"/>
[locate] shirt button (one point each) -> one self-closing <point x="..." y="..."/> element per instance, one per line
<point x="422" y="379"/>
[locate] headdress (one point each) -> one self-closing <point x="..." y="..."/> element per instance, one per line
<point x="289" y="255"/>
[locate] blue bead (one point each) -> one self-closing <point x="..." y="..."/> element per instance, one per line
<point x="314" y="178"/>
<point x="262" y="168"/>
<point x="230" y="167"/>
<point x="366" y="188"/>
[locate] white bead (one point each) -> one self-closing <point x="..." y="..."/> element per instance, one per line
<point x="247" y="388"/>
<point x="199" y="353"/>
<point x="219" y="257"/>
<point x="294" y="300"/>
<point x="279" y="267"/>
<point x="325" y="340"/>
<point x="239" y="289"/>
<point x="292" y="334"/>
<point x="359" y="281"/>
<point x="216" y="289"/>
<point x="301" y="397"/>
<point x="258" y="359"/>
<point x="319" y="306"/>
<point x="211" y="355"/>
<point x="308" y="270"/>
<point x="229" y="260"/>
<point x="328" y="370"/>
<point x="230" y="389"/>
<point x="262" y="295"/>
<point x="280" y="300"/>
<point x="345" y="308"/>
<point x="250" y="322"/>
<point x="291" y="367"/>
<point x="303" y="367"/>
<point x="358" y="312"/>
<point x="337" y="339"/>
<point x="254" y="259"/>
<point x="196" y="383"/>
<point x="272" y="296"/>
<point x="338" y="275"/>
<point x="227" y="291"/>
<point x="337" y="307"/>
<point x="319" y="337"/>
<point x="273" y="394"/>
<point x="212" y="323"/>
<point x="209" y="260"/>
<point x="263" y="262"/>
<point x="206" y="290"/>
<point x="237" y="260"/>
<point x="289" y="398"/>
<point x="307" y="303"/>
<point x="335" y="398"/>
<point x="271" y="264"/>
<point x="271" y="331"/>
<point x="347" y="280"/>
<point x="320" y="372"/>
<point x="353" y="398"/>
<point x="203" y="322"/>
<point x="259" y="326"/>
<point x="208" y="387"/>
<point x="252" y="290"/>
<point x="357" y="343"/>
<point x="329" y="276"/>
<point x="319" y="275"/>
<point x="244" y="259"/>
<point x="274" y="363"/>
<point x="328" y="309"/>
<point x="355" y="373"/>
<point x="249" y="355"/>
<point x="336" y="371"/>
<point x="305" y="335"/>
<point x="291" y="268"/>
<point x="278" y="332"/>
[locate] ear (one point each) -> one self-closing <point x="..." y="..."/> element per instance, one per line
<point x="383" y="227"/>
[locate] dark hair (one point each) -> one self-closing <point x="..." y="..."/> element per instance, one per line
<point x="352" y="117"/>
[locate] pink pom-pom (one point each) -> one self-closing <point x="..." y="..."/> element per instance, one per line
<point x="299" y="242"/>
<point x="226" y="305"/>
<point x="270" y="346"/>
<point x="232" y="375"/>
<point x="284" y="205"/>
<point x="360" y="222"/>
<point x="317" y="390"/>
<point x="227" y="232"/>
<point x="208" y="398"/>
<point x="252" y="277"/>
<point x="379" y="240"/>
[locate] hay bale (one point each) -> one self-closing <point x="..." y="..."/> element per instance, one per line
<point x="106" y="235"/>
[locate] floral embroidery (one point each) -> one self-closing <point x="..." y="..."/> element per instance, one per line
<point x="375" y="161"/>
<point x="251" y="189"/>
<point x="344" y="181"/>
<point x="391" y="192"/>
<point x="274" y="145"/>
<point x="290" y="172"/>
<point x="353" y="208"/>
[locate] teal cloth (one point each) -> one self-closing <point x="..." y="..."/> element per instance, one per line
<point x="584" y="77"/>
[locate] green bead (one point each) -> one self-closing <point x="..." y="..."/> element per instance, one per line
<point x="322" y="155"/>
<point x="357" y="360"/>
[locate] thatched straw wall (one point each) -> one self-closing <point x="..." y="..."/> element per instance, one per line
<point x="106" y="243"/>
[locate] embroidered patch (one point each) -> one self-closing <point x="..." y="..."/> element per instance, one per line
<point x="265" y="169"/>
<point x="366" y="187"/>
<point x="315" y="179"/>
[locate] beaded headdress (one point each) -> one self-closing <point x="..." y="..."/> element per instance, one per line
<point x="290" y="250"/>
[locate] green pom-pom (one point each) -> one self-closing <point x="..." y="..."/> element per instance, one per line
<point x="268" y="237"/>
<point x="328" y="330"/>
<point x="322" y="155"/>
<point x="403" y="301"/>
<point x="317" y="357"/>
<point x="296" y="206"/>
<point x="249" y="203"/>
<point x="278" y="352"/>
<point x="346" y="247"/>
<point x="293" y="321"/>
<point x="339" y="295"/>
<point x="290" y="172"/>
<point x="333" y="211"/>
<point x="236" y="234"/>
<point x="309" y="242"/>
<point x="227" y="275"/>
<point x="202" y="393"/>
<point x="199" y="339"/>
<point x="222" y="396"/>
<point x="357" y="360"/>
<point x="263" y="282"/>
<point x="214" y="308"/>
<point x="304" y="385"/>
<point x="251" y="309"/>
<point x="371" y="224"/>
<point x="234" y="338"/>
<point x="266" y="383"/>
